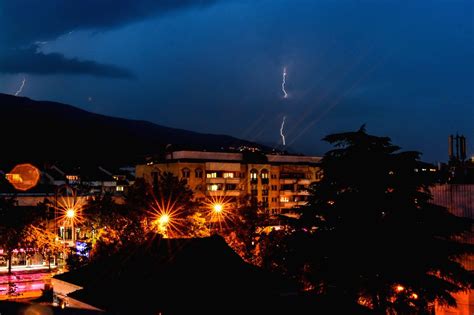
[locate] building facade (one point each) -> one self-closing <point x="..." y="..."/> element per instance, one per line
<point x="278" y="182"/>
<point x="459" y="200"/>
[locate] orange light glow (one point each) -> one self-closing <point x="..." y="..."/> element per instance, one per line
<point x="70" y="213"/>
<point x="414" y="296"/>
<point x="165" y="218"/>
<point x="399" y="288"/>
<point x="24" y="177"/>
<point x="218" y="210"/>
<point x="70" y="210"/>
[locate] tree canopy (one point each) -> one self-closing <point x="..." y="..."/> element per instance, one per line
<point x="379" y="240"/>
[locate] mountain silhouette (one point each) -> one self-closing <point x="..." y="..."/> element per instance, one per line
<point x="42" y="131"/>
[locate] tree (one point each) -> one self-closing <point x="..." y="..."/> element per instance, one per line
<point x="14" y="221"/>
<point x="46" y="242"/>
<point x="379" y="239"/>
<point x="110" y="226"/>
<point x="241" y="233"/>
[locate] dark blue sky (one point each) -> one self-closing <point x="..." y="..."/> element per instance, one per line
<point x="405" y="68"/>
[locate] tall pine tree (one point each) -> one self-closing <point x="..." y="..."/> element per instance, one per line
<point x="379" y="239"/>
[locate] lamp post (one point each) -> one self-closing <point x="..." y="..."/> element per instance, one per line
<point x="217" y="211"/>
<point x="71" y="216"/>
<point x="163" y="221"/>
<point x="67" y="211"/>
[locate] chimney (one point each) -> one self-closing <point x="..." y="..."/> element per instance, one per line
<point x="450" y="147"/>
<point x="463" y="147"/>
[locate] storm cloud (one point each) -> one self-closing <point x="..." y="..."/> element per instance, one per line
<point x="34" y="62"/>
<point x="25" y="22"/>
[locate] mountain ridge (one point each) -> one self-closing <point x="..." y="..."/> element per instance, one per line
<point x="44" y="131"/>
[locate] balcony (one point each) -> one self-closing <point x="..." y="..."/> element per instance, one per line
<point x="303" y="193"/>
<point x="221" y="180"/>
<point x="287" y="181"/>
<point x="304" y="181"/>
<point x="222" y="193"/>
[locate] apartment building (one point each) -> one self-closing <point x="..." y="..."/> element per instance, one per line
<point x="279" y="182"/>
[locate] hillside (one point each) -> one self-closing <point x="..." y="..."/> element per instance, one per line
<point x="41" y="131"/>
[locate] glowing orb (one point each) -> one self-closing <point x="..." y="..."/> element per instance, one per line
<point x="218" y="208"/>
<point x="70" y="213"/>
<point x="164" y="219"/>
<point x="24" y="177"/>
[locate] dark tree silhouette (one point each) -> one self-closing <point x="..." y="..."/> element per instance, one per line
<point x="379" y="239"/>
<point x="14" y="223"/>
<point x="112" y="226"/>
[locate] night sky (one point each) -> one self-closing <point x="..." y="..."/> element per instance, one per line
<point x="404" y="68"/>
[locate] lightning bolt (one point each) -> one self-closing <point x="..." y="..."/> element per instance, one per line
<point x="21" y="87"/>
<point x="285" y="95"/>
<point x="281" y="131"/>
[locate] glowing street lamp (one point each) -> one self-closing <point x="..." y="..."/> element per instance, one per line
<point x="164" y="219"/>
<point x="399" y="288"/>
<point x="70" y="213"/>
<point x="218" y="208"/>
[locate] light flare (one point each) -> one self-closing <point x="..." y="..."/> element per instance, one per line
<point x="70" y="210"/>
<point x="165" y="218"/>
<point x="219" y="210"/>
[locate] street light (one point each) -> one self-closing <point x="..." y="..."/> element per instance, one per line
<point x="218" y="208"/>
<point x="164" y="219"/>
<point x="70" y="213"/>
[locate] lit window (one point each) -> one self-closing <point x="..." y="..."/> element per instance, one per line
<point x="229" y="175"/>
<point x="72" y="177"/>
<point x="119" y="188"/>
<point x="264" y="174"/>
<point x="284" y="199"/>
<point x="213" y="187"/>
<point x="253" y="174"/>
<point x="211" y="175"/>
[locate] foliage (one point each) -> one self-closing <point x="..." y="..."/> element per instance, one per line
<point x="378" y="231"/>
<point x="110" y="226"/>
<point x="14" y="221"/>
<point x="43" y="240"/>
<point x="241" y="234"/>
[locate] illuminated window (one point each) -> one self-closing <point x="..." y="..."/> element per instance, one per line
<point x="198" y="173"/>
<point x="253" y="175"/>
<point x="214" y="187"/>
<point x="185" y="172"/>
<point x="264" y="174"/>
<point x="284" y="199"/>
<point x="211" y="175"/>
<point x="119" y="188"/>
<point x="228" y="175"/>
